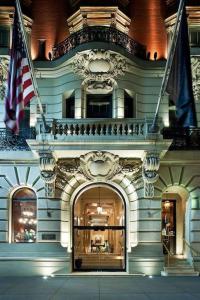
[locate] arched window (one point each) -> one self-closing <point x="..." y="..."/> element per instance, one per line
<point x="24" y="216"/>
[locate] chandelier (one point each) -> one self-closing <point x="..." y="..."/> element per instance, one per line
<point x="27" y="218"/>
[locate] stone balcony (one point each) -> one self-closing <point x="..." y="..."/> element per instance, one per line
<point x="96" y="134"/>
<point x="99" y="134"/>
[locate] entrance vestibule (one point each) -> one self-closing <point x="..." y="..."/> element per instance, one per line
<point x="174" y="219"/>
<point x="99" y="231"/>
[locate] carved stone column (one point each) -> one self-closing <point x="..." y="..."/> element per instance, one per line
<point x="150" y="168"/>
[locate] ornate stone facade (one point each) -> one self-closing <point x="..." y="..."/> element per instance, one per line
<point x="195" y="63"/>
<point x="99" y="68"/>
<point x="150" y="174"/>
<point x="47" y="172"/>
<point x="3" y="76"/>
<point x="97" y="166"/>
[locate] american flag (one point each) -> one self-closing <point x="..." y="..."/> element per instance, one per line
<point x="20" y="90"/>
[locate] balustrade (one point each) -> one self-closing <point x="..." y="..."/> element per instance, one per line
<point x="90" y="128"/>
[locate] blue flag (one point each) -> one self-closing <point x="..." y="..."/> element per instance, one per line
<point x="179" y="84"/>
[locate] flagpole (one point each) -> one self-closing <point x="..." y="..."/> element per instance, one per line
<point x="35" y="85"/>
<point x="155" y="127"/>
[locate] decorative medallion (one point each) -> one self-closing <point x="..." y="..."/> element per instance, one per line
<point x="99" y="68"/>
<point x="98" y="166"/>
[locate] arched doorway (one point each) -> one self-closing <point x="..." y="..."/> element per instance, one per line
<point x="174" y="220"/>
<point x="99" y="231"/>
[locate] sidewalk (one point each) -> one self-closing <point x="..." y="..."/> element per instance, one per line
<point x="100" y="288"/>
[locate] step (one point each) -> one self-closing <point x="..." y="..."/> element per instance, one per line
<point x="179" y="263"/>
<point x="194" y="273"/>
<point x="175" y="268"/>
<point x="180" y="271"/>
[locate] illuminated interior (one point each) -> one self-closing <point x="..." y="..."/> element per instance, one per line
<point x="99" y="231"/>
<point x="24" y="216"/>
<point x="169" y="226"/>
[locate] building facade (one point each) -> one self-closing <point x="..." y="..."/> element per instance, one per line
<point x="97" y="190"/>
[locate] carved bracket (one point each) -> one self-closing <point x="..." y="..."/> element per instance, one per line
<point x="47" y="172"/>
<point x="150" y="168"/>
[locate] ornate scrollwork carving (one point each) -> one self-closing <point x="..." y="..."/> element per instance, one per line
<point x="47" y="172"/>
<point x="150" y="168"/>
<point x="67" y="168"/>
<point x="3" y="76"/>
<point x="99" y="68"/>
<point x="195" y="63"/>
<point x="99" y="165"/>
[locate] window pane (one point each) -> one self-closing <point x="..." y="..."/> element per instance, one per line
<point x="70" y="103"/>
<point x="24" y="216"/>
<point x="195" y="38"/>
<point x="99" y="249"/>
<point x="99" y="106"/>
<point x="4" y="37"/>
<point x="128" y="106"/>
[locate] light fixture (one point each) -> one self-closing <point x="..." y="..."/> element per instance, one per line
<point x="167" y="204"/>
<point x="99" y="207"/>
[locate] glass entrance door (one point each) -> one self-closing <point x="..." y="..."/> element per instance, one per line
<point x="99" y="232"/>
<point x="99" y="248"/>
<point x="169" y="226"/>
